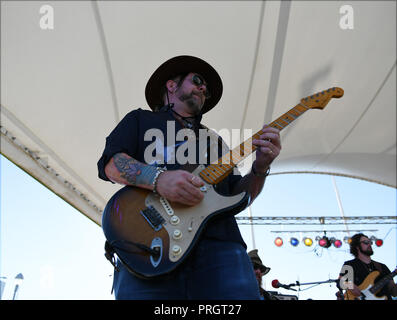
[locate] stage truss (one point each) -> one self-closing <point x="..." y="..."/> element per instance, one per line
<point x="324" y="221"/>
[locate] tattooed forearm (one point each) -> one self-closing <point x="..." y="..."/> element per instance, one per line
<point x="134" y="172"/>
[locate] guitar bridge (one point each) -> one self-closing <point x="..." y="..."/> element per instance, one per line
<point x="153" y="217"/>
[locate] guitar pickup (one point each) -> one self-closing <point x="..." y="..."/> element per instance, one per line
<point x="153" y="217"/>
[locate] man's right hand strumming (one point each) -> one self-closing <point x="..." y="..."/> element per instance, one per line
<point x="180" y="186"/>
<point x="174" y="185"/>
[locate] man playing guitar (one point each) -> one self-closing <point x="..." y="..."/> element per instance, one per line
<point x="360" y="269"/>
<point x="180" y="91"/>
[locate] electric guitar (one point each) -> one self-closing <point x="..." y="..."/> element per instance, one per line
<point x="369" y="289"/>
<point x="152" y="236"/>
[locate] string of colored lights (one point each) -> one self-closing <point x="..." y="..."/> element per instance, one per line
<point x="323" y="241"/>
<point x="330" y="230"/>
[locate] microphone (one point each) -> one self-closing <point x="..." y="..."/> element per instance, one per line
<point x="276" y="284"/>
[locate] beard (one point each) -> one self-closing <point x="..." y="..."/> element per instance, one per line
<point x="369" y="252"/>
<point x="192" y="101"/>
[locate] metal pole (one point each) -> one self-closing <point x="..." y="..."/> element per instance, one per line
<point x="252" y="228"/>
<point x="340" y="205"/>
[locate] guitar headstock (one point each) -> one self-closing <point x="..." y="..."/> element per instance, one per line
<point x="320" y="100"/>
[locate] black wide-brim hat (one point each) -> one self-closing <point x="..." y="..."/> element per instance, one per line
<point x="257" y="262"/>
<point x="182" y="65"/>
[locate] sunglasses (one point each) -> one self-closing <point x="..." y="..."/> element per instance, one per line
<point x="198" y="82"/>
<point x="366" y="242"/>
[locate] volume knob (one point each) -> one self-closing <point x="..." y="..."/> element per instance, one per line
<point x="176" y="250"/>
<point x="175" y="220"/>
<point x="177" y="234"/>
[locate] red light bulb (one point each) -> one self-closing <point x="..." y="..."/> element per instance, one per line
<point x="278" y="242"/>
<point x="337" y="243"/>
<point x="324" y="242"/>
<point x="379" y="242"/>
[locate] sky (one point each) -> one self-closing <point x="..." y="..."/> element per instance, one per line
<point x="60" y="252"/>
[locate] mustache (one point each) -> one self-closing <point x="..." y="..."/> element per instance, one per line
<point x="188" y="96"/>
<point x="198" y="93"/>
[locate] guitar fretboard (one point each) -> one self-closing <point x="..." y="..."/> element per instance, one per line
<point x="219" y="170"/>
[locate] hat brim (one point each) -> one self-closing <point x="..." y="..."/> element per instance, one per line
<point x="180" y="65"/>
<point x="264" y="270"/>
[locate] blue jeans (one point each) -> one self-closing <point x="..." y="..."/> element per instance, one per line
<point x="216" y="270"/>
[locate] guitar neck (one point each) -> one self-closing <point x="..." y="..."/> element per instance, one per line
<point x="381" y="283"/>
<point x="219" y="170"/>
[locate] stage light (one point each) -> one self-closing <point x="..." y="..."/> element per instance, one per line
<point x="294" y="242"/>
<point x="278" y="242"/>
<point x="307" y="241"/>
<point x="337" y="243"/>
<point x="347" y="240"/>
<point x="324" y="242"/>
<point x="379" y="242"/>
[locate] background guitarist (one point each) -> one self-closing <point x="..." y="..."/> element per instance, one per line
<point x="180" y="91"/>
<point x="363" y="265"/>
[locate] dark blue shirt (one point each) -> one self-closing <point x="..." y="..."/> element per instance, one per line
<point x="129" y="137"/>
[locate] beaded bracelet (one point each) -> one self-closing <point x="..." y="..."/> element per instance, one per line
<point x="156" y="178"/>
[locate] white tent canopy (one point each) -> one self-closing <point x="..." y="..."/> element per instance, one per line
<point x="64" y="89"/>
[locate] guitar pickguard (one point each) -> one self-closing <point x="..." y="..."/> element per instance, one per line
<point x="184" y="222"/>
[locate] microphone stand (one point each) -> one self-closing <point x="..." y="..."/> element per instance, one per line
<point x="297" y="283"/>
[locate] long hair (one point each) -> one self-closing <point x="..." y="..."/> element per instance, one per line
<point x="355" y="242"/>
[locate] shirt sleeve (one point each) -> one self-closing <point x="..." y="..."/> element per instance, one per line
<point x="124" y="138"/>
